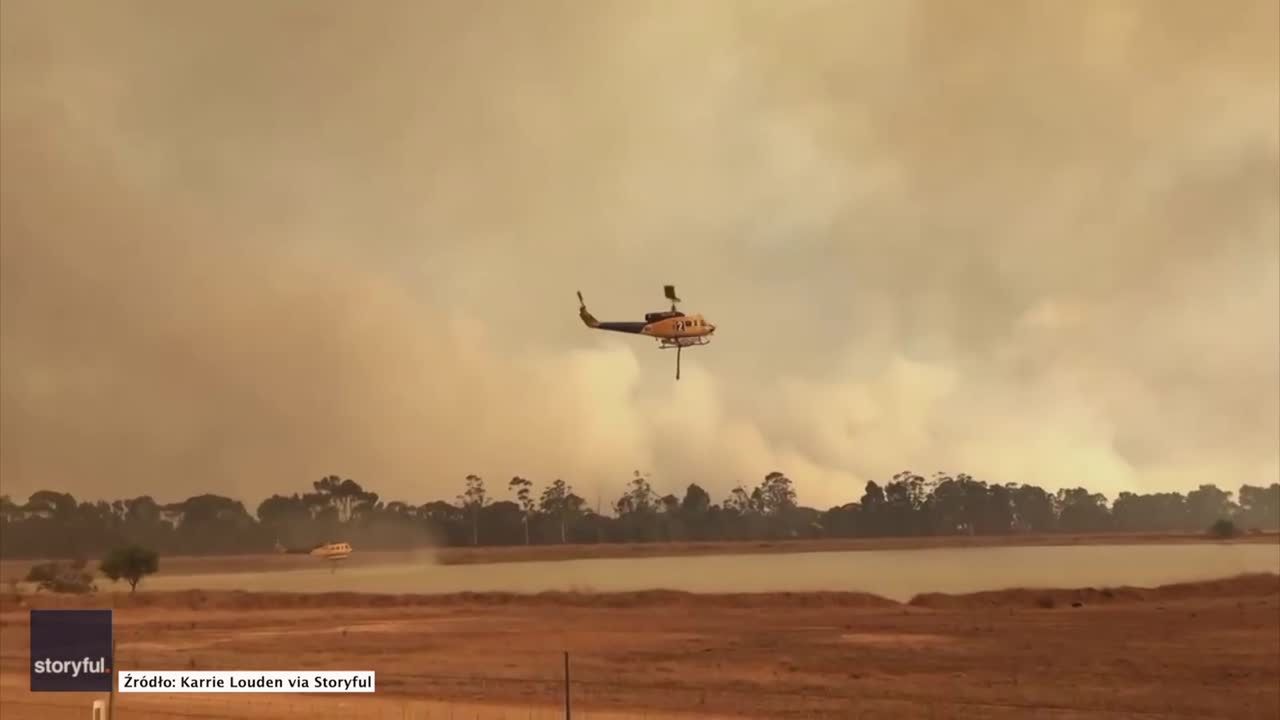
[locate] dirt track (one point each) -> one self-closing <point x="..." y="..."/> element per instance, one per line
<point x="1201" y="650"/>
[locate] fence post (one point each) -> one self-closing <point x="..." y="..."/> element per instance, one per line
<point x="111" y="699"/>
<point x="566" y="685"/>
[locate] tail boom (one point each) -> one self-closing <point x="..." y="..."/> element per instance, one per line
<point x="590" y="321"/>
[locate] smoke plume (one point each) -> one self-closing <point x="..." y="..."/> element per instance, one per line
<point x="246" y="245"/>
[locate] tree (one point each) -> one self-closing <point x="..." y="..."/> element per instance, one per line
<point x="559" y="502"/>
<point x="743" y="514"/>
<point x="741" y="502"/>
<point x="523" y="490"/>
<point x="872" y="511"/>
<point x="694" y="510"/>
<point x="639" y="497"/>
<point x="447" y="522"/>
<point x="696" y="501"/>
<point x="1260" y="506"/>
<point x="842" y="520"/>
<point x="130" y="563"/>
<point x="143" y="521"/>
<point x="1081" y="511"/>
<point x="503" y="521"/>
<point x="1208" y="504"/>
<point x="773" y="503"/>
<point x="1162" y="512"/>
<point x="997" y="516"/>
<point x="903" y="507"/>
<point x="51" y="505"/>
<point x="211" y="523"/>
<point x="1033" y="510"/>
<point x="345" y="497"/>
<point x="777" y="495"/>
<point x="472" y="500"/>
<point x="670" y="522"/>
<point x="288" y="520"/>
<point x="10" y="512"/>
<point x="638" y="509"/>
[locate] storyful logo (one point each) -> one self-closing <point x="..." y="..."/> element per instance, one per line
<point x="71" y="651"/>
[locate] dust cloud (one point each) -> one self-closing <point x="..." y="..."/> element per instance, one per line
<point x="247" y="245"/>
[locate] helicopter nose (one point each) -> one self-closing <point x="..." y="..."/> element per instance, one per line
<point x="710" y="328"/>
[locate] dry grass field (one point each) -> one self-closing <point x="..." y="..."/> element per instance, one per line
<point x="1197" y="650"/>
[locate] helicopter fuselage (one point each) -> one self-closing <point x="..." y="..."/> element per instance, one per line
<point x="672" y="326"/>
<point x="661" y="326"/>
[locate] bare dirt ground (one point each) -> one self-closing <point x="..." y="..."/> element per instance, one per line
<point x="187" y="565"/>
<point x="1197" y="650"/>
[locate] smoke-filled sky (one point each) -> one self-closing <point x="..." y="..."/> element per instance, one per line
<point x="246" y="245"/>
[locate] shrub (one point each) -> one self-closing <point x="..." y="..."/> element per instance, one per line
<point x="1223" y="528"/>
<point x="43" y="572"/>
<point x="60" y="578"/>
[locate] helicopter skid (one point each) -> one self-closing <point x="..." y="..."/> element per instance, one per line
<point x="683" y="343"/>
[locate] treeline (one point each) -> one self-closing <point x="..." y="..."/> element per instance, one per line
<point x="53" y="524"/>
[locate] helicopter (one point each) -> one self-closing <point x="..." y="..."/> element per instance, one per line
<point x="671" y="328"/>
<point x="332" y="552"/>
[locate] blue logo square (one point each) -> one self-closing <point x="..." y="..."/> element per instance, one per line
<point x="71" y="651"/>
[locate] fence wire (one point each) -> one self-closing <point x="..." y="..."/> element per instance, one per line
<point x="443" y="696"/>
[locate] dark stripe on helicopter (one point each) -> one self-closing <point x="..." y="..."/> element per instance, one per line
<point x="626" y="327"/>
